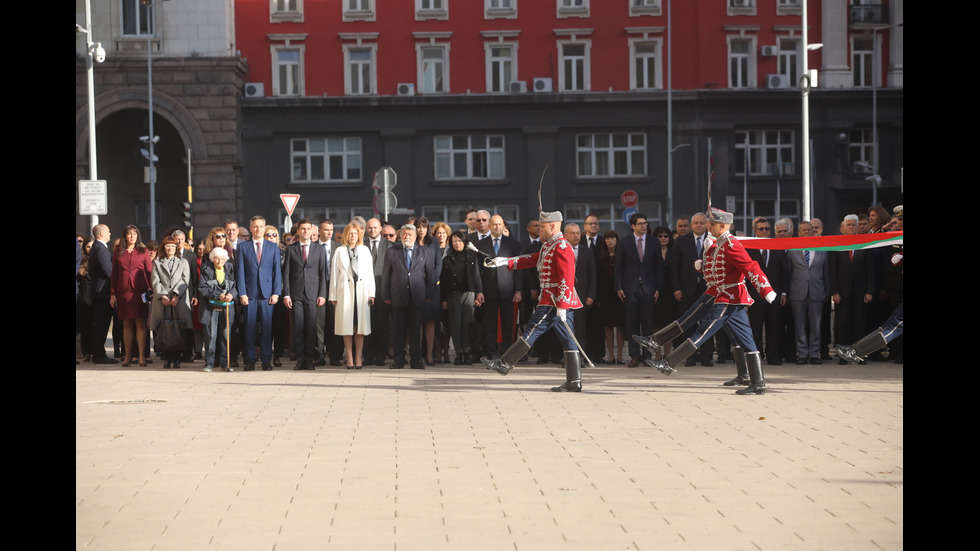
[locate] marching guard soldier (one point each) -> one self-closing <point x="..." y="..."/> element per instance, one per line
<point x="725" y="266"/>
<point x="556" y="273"/>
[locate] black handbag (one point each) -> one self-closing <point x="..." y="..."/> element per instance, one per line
<point x="170" y="334"/>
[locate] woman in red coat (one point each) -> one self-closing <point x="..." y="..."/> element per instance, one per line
<point x="131" y="269"/>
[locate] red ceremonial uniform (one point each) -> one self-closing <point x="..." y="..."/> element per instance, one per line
<point x="556" y="272"/>
<point x="725" y="268"/>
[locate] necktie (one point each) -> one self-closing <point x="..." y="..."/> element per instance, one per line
<point x="408" y="258"/>
<point x="258" y="251"/>
<point x="575" y="250"/>
<point x="639" y="247"/>
<point x="305" y="252"/>
<point x="700" y="241"/>
<point x="806" y="258"/>
<point x="592" y="242"/>
<point x="765" y="257"/>
<point x="374" y="249"/>
<point x="496" y="245"/>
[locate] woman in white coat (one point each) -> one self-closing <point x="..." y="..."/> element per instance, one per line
<point x="352" y="293"/>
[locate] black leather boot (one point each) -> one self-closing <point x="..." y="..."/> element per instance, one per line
<point x="742" y="373"/>
<point x="657" y="341"/>
<point x="676" y="356"/>
<point x="753" y="362"/>
<point x="573" y="373"/>
<point x="509" y="358"/>
<point x="861" y="349"/>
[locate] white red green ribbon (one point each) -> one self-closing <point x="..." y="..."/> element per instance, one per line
<point x="825" y="242"/>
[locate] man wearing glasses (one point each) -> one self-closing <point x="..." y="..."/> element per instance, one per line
<point x="686" y="281"/>
<point x="637" y="281"/>
<point x="762" y="314"/>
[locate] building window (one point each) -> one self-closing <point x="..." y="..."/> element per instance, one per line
<point x="469" y="157"/>
<point x="741" y="63"/>
<point x="286" y="11"/>
<point x="359" y="75"/>
<point x="431" y="9"/>
<point x="789" y="56"/>
<point x="741" y="7"/>
<point x="789" y="7"/>
<point x="860" y="150"/>
<point x="645" y="69"/>
<point x="499" y="9"/>
<point x="610" y="215"/>
<point x="769" y="153"/>
<point x="644" y="7"/>
<point x="137" y="18"/>
<point x="455" y="215"/>
<point x="287" y="71"/>
<point x="317" y="160"/>
<point x="433" y="69"/>
<point x="611" y="155"/>
<point x="573" y="66"/>
<point x="358" y="10"/>
<point x="573" y="8"/>
<point x="862" y="66"/>
<point x="501" y="66"/>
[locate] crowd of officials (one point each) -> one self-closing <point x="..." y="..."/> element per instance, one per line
<point x="243" y="296"/>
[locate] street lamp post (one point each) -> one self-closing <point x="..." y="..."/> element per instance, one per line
<point x="94" y="53"/>
<point x="875" y="177"/>
<point x="151" y="16"/>
<point x="806" y="81"/>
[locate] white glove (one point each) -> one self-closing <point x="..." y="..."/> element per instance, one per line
<point x="495" y="262"/>
<point x="897" y="258"/>
<point x="697" y="264"/>
<point x="563" y="313"/>
<point x="770" y="296"/>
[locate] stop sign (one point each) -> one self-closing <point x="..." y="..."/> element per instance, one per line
<point x="629" y="198"/>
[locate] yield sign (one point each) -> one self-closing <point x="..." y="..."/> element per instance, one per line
<point x="289" y="201"/>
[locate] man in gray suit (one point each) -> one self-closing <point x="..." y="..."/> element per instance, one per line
<point x="808" y="273"/>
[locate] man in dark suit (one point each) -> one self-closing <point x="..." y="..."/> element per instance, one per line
<point x="376" y="344"/>
<point x="637" y="281"/>
<point x="501" y="287"/>
<point x="304" y="290"/>
<point x="850" y="282"/>
<point x="328" y="344"/>
<point x="259" y="286"/>
<point x="100" y="272"/>
<point x="764" y="315"/>
<point x="405" y="286"/>
<point x="688" y="283"/>
<point x="585" y="284"/>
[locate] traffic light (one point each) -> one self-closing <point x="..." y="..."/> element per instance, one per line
<point x="186" y="223"/>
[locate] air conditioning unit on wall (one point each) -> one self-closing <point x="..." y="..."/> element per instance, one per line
<point x="777" y="81"/>
<point x="769" y="51"/>
<point x="406" y="89"/>
<point x="543" y="85"/>
<point x="518" y="87"/>
<point x="254" y="90"/>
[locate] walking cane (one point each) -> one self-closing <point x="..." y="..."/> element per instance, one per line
<point x="227" y="335"/>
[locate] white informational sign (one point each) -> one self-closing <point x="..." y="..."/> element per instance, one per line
<point x="93" y="198"/>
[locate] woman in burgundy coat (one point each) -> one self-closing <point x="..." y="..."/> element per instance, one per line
<point x="131" y="269"/>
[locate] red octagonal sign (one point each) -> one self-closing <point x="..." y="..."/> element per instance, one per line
<point x="629" y="198"/>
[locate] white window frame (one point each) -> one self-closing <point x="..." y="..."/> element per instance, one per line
<point x="500" y="9"/>
<point x="607" y="155"/>
<point x="860" y="149"/>
<point x="657" y="76"/>
<point x="572" y="8"/>
<point x="767" y="147"/>
<point x="492" y="71"/>
<point x="431" y="9"/>
<point x="422" y="68"/>
<point x="447" y="152"/>
<point x="789" y="60"/>
<point x="750" y="61"/>
<point x="789" y="7"/>
<point x="640" y="8"/>
<point x="610" y="215"/>
<point x="740" y="7"/>
<point x="349" y="84"/>
<point x="586" y="65"/>
<point x="358" y="10"/>
<point x="351" y="153"/>
<point x="126" y="6"/>
<point x="279" y="11"/>
<point x="300" y="72"/>
<point x="863" y="62"/>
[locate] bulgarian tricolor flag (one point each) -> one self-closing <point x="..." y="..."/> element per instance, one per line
<point x="825" y="243"/>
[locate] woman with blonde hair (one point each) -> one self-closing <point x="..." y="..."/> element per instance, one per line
<point x="352" y="292"/>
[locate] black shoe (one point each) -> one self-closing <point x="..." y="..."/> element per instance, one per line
<point x="336" y="363"/>
<point x="542" y="360"/>
<point x="842" y="361"/>
<point x="721" y="360"/>
<point x="737" y="381"/>
<point x="816" y="361"/>
<point x="569" y="386"/>
<point x="802" y="361"/>
<point x="397" y="365"/>
<point x="176" y="365"/>
<point x="300" y="366"/>
<point x="266" y="366"/>
<point x="249" y="366"/>
<point x="105" y="361"/>
<point x="708" y="363"/>
<point x="690" y="363"/>
<point x="753" y="388"/>
<point x="277" y="362"/>
<point x="775" y="362"/>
